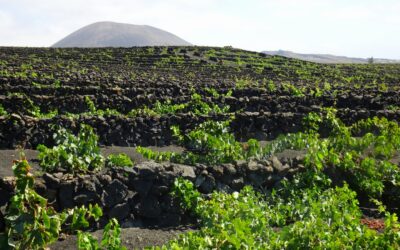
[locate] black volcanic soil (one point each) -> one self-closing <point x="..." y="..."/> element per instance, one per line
<point x="132" y="238"/>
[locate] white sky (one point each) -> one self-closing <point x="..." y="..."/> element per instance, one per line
<point x="360" y="28"/>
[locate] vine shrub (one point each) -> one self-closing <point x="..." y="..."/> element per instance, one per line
<point x="196" y="106"/>
<point x="119" y="160"/>
<point x="361" y="151"/>
<point x="211" y="143"/>
<point x="72" y="153"/>
<point x="29" y="107"/>
<point x="2" y="110"/>
<point x="309" y="218"/>
<point x="111" y="238"/>
<point x="94" y="111"/>
<point x="31" y="223"/>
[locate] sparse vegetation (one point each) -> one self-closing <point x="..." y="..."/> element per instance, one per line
<point x="209" y="101"/>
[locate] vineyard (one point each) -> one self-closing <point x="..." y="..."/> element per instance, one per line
<point x="248" y="150"/>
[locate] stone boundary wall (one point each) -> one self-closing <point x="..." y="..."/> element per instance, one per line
<point x="140" y="196"/>
<point x="28" y="132"/>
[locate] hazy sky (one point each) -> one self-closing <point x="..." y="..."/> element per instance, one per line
<point x="360" y="28"/>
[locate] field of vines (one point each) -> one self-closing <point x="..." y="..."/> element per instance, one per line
<point x="276" y="153"/>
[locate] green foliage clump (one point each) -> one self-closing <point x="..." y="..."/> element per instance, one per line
<point x="159" y="109"/>
<point x="362" y="151"/>
<point x="31" y="223"/>
<point x="296" y="141"/>
<point x="30" y="108"/>
<point x="243" y="83"/>
<point x="196" y="106"/>
<point x="292" y="89"/>
<point x="2" y="110"/>
<point x="36" y="112"/>
<point x="211" y="143"/>
<point x="271" y="86"/>
<point x="72" y="153"/>
<point x="94" y="111"/>
<point x="79" y="217"/>
<point x="188" y="196"/>
<point x="309" y="218"/>
<point x="214" y="93"/>
<point x="199" y="107"/>
<point x="119" y="160"/>
<point x="167" y="107"/>
<point x="111" y="238"/>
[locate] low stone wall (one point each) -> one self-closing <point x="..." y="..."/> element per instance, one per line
<point x="28" y="132"/>
<point x="140" y="196"/>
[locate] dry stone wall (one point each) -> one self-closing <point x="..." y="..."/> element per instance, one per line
<point x="28" y="132"/>
<point x="140" y="196"/>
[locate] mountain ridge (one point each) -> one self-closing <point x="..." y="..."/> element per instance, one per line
<point x="327" y="58"/>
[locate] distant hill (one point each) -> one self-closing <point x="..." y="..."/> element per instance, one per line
<point x="111" y="34"/>
<point x="326" y="58"/>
